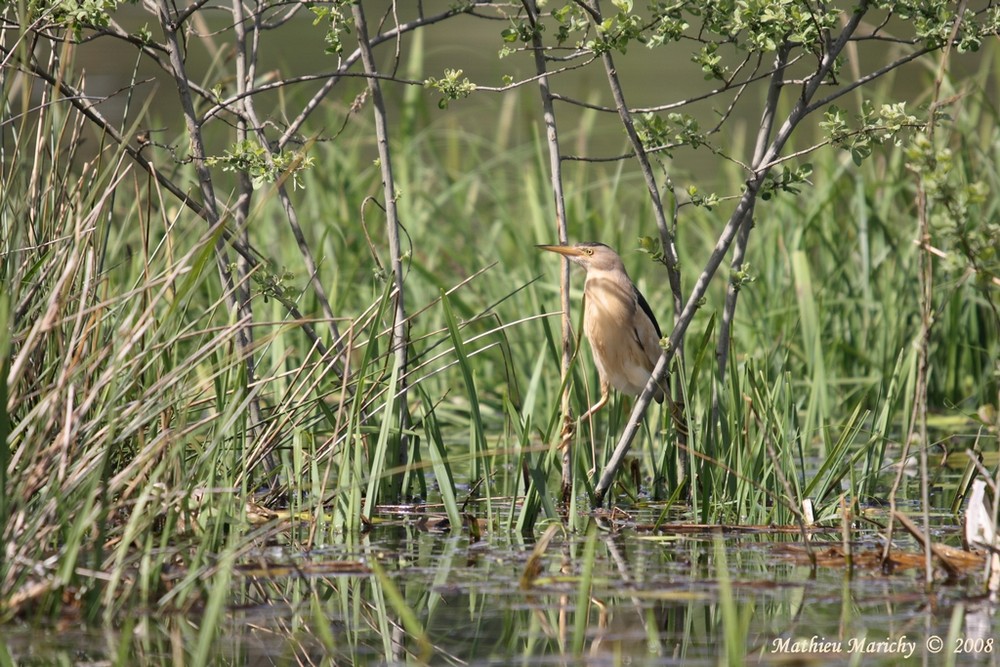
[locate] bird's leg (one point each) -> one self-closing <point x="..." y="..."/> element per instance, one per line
<point x="605" y="395"/>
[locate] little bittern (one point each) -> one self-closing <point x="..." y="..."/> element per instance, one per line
<point x="623" y="333"/>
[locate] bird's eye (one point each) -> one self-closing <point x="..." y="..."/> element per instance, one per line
<point x="589" y="251"/>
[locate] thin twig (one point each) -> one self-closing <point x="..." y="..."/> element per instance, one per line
<point x="340" y="365"/>
<point x="235" y="302"/>
<point x="555" y="176"/>
<point x="667" y="241"/>
<point x="918" y="415"/>
<point x="245" y="58"/>
<point x="739" y="250"/>
<point x="400" y="344"/>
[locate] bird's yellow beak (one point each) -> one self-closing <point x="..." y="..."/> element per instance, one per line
<point x="567" y="250"/>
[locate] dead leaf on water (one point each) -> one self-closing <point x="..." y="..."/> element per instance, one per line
<point x="871" y="559"/>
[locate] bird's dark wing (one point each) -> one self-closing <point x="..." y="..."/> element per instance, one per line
<point x="646" y="309"/>
<point x="649" y="344"/>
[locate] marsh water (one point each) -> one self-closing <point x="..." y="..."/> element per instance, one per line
<point x="623" y="590"/>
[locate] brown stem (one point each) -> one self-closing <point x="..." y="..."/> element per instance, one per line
<point x="244" y="74"/>
<point x="235" y="299"/>
<point x="555" y="175"/>
<point x="81" y="103"/>
<point x="400" y="344"/>
<point x="739" y="250"/>
<point x="667" y="241"/>
<point x="918" y="415"/>
<point x="246" y="103"/>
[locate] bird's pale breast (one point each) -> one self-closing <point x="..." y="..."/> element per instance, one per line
<point x="609" y="322"/>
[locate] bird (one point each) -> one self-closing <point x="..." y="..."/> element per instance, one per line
<point x="623" y="333"/>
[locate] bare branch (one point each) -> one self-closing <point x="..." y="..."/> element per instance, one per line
<point x="320" y="95"/>
<point x="555" y="176"/>
<point x="236" y="296"/>
<point x="743" y="208"/>
<point x="667" y="240"/>
<point x="739" y="252"/>
<point x="83" y="105"/>
<point x="400" y="343"/>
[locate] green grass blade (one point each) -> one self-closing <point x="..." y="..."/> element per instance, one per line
<point x="477" y="437"/>
<point x="406" y="614"/>
<point x="439" y="461"/>
<point x="388" y="432"/>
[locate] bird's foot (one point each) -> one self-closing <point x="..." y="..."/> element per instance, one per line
<point x="568" y="431"/>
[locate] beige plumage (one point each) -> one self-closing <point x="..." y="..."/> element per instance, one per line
<point x="623" y="333"/>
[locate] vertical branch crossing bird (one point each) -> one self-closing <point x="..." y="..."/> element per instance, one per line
<point x="623" y="333"/>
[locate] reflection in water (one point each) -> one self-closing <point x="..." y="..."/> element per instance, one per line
<point x="651" y="599"/>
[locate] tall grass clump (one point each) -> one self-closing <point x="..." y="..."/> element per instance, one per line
<point x="130" y="475"/>
<point x="121" y="390"/>
<point x="832" y="309"/>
